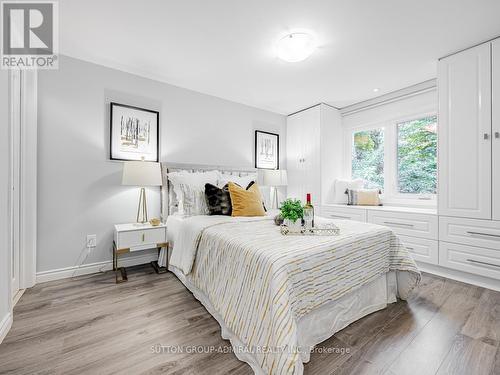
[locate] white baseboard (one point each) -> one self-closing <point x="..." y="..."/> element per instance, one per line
<point x="465" y="277"/>
<point x="87" y="269"/>
<point x="5" y="325"/>
<point x="17" y="297"/>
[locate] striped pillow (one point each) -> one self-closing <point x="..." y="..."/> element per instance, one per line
<point x="363" y="197"/>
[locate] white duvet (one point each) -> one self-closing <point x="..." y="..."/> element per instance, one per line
<point x="261" y="283"/>
<point x="189" y="233"/>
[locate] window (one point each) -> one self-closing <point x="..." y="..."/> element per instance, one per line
<point x="398" y="157"/>
<point x="417" y="156"/>
<point x="368" y="157"/>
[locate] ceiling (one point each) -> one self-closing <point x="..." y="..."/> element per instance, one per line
<point x="225" y="48"/>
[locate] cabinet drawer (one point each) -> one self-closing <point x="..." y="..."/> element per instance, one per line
<point x="407" y="224"/>
<point x="422" y="249"/>
<point x="484" y="262"/>
<point x="141" y="238"/>
<point x="357" y="214"/>
<point x="483" y="233"/>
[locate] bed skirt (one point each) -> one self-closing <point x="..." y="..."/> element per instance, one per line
<point x="318" y="325"/>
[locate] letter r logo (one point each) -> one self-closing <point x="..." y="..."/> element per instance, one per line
<point x="27" y="28"/>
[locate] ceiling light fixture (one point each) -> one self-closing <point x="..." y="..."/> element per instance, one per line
<point x="296" y="47"/>
<point x="376" y="90"/>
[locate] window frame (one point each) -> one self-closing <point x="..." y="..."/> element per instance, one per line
<point x="391" y="194"/>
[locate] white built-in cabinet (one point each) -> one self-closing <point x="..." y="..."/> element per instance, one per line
<point x="469" y="161"/>
<point x="303" y="158"/>
<point x="495" y="72"/>
<point x="465" y="134"/>
<point x="314" y="152"/>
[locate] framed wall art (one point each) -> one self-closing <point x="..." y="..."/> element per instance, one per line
<point x="134" y="133"/>
<point x="267" y="150"/>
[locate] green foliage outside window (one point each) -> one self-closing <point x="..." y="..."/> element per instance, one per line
<point x="368" y="157"/>
<point x="417" y="156"/>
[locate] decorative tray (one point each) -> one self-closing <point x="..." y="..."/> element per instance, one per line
<point x="323" y="230"/>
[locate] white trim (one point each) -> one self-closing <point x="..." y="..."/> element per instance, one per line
<point x="17" y="297"/>
<point x="28" y="202"/>
<point x="465" y="277"/>
<point x="14" y="179"/>
<point x="87" y="269"/>
<point x="404" y="93"/>
<point x="5" y="325"/>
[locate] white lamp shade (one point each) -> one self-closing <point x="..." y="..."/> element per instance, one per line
<point x="141" y="173"/>
<point x="272" y="177"/>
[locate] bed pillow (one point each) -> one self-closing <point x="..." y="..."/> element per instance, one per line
<point x="363" y="197"/>
<point x="342" y="185"/>
<point x="189" y="188"/>
<point x="218" y="200"/>
<point x="239" y="180"/>
<point x="246" y="202"/>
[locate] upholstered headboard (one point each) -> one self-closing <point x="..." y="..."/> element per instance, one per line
<point x="169" y="203"/>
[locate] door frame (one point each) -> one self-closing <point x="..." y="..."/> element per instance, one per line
<point x="14" y="181"/>
<point x="27" y="176"/>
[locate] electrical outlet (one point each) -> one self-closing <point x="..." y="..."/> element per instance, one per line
<point x="91" y="240"/>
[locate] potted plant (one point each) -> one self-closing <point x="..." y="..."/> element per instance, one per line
<point x="292" y="212"/>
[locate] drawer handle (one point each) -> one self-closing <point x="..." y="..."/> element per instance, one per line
<point x="400" y="224"/>
<point x="485" y="263"/>
<point x="483" y="234"/>
<point x="340" y="216"/>
<point x="409" y="248"/>
<point x="143" y="237"/>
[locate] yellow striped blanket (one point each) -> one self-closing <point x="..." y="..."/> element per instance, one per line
<point x="261" y="282"/>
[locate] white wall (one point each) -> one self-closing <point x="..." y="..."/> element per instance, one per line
<point x="79" y="189"/>
<point x="5" y="297"/>
<point x="405" y="107"/>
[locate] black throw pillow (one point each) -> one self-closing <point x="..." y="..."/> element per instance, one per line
<point x="218" y="200"/>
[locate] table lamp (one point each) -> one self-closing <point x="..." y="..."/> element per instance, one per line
<point x="141" y="174"/>
<point x="273" y="178"/>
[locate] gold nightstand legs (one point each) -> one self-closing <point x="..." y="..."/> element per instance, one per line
<point x="121" y="272"/>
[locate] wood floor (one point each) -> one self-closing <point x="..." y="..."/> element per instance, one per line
<point x="90" y="325"/>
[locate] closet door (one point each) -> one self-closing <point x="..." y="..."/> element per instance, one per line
<point x="496" y="127"/>
<point x="303" y="150"/>
<point x="464" y="82"/>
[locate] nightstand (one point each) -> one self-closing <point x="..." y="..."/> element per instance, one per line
<point x="129" y="238"/>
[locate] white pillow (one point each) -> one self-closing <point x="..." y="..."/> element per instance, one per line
<point x="189" y="188"/>
<point x="243" y="181"/>
<point x="342" y="185"/>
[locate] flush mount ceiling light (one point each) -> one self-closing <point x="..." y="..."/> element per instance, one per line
<point x="295" y="47"/>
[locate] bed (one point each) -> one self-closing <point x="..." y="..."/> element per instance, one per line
<point x="276" y="297"/>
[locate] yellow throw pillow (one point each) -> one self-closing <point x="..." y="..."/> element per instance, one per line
<point x="246" y="202"/>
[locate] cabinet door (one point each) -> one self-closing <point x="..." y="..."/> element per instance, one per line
<point x="496" y="127"/>
<point x="302" y="154"/>
<point x="464" y="82"/>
